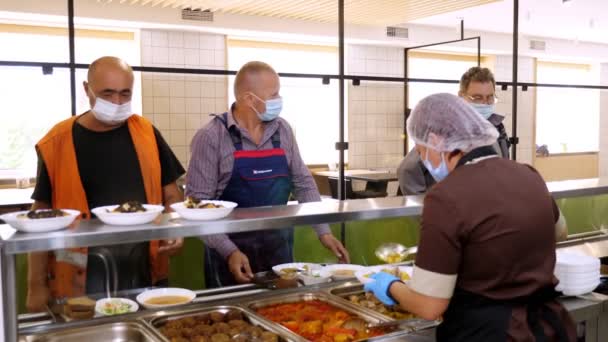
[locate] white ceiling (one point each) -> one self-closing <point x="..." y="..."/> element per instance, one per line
<point x="365" y="12"/>
<point x="582" y="20"/>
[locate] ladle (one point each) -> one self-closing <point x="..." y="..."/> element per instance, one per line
<point x="393" y="252"/>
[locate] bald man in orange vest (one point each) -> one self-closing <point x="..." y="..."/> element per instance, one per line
<point x="105" y="156"/>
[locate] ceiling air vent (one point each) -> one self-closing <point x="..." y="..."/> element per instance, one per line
<point x="197" y="14"/>
<point x="538" y="45"/>
<point x="396" y="32"/>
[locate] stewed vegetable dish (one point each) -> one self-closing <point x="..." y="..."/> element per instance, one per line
<point x="319" y="321"/>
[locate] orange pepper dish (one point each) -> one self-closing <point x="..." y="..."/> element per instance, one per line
<point x="319" y="321"/>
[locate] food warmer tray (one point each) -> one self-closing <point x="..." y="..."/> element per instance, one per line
<point x="366" y="315"/>
<point x="119" y="331"/>
<point x="157" y="320"/>
<point x="344" y="290"/>
<point x="140" y="326"/>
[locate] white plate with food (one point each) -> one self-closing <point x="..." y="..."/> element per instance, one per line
<point x="199" y="210"/>
<point x="128" y="213"/>
<point x="340" y="271"/>
<point x="165" y="297"/>
<point x="41" y="220"/>
<point x="402" y="272"/>
<point x="115" y="306"/>
<point x="309" y="273"/>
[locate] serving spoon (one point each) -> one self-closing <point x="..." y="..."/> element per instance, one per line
<point x="393" y="252"/>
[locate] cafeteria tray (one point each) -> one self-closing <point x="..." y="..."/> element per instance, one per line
<point x="160" y="319"/>
<point x="121" y="331"/>
<point x="366" y="315"/>
<point x="345" y="290"/>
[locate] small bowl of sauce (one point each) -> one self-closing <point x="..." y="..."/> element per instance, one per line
<point x="165" y="297"/>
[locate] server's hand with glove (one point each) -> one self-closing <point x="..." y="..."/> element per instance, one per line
<point x="381" y="287"/>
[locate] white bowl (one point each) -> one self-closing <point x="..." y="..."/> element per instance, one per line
<point x="577" y="290"/>
<point x="312" y="277"/>
<point x="169" y="291"/>
<point x="578" y="277"/>
<point x="40" y="225"/>
<point x="364" y="275"/>
<point x="315" y="278"/>
<point x="204" y="214"/>
<point x="329" y="271"/>
<point x="106" y="215"/>
<point x="99" y="305"/>
<point x="299" y="265"/>
<point x="572" y="262"/>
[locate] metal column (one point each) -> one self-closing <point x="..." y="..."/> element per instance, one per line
<point x="72" y="55"/>
<point x="341" y="146"/>
<point x="514" y="80"/>
<point x="406" y="99"/>
<point x="479" y="51"/>
<point x="9" y="298"/>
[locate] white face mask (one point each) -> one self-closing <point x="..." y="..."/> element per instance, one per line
<point x="111" y="113"/>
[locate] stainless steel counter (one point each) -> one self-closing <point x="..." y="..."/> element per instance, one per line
<point x="591" y="312"/>
<point x="578" y="187"/>
<point x="93" y="233"/>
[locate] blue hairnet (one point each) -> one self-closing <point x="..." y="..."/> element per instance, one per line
<point x="445" y="123"/>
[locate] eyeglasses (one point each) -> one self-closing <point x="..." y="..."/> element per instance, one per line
<point x="480" y="99"/>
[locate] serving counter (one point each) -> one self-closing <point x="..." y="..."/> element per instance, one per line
<point x="168" y="226"/>
<point x="145" y="325"/>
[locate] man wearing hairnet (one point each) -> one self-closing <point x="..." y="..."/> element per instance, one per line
<point x="476" y="88"/>
<point x="487" y="244"/>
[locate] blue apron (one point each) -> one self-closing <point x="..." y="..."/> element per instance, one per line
<point x="259" y="178"/>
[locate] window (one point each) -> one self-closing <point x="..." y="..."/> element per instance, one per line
<point x="567" y="119"/>
<point x="31" y="102"/>
<point x="310" y="107"/>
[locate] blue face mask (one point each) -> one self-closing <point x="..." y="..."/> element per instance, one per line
<point x="273" y="108"/>
<point x="439" y="173"/>
<point x="486" y="110"/>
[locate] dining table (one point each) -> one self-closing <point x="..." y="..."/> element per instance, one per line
<point x="375" y="180"/>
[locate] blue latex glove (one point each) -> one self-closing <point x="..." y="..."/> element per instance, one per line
<point x="382" y="282"/>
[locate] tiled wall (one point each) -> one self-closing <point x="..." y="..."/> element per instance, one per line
<point x="178" y="104"/>
<point x="603" y="154"/>
<point x="375" y="109"/>
<point x="525" y="103"/>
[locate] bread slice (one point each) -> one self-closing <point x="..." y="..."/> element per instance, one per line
<point x="78" y="314"/>
<point x="79" y="308"/>
<point x="81" y="304"/>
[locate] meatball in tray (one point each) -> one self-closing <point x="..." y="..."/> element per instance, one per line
<point x="216" y="324"/>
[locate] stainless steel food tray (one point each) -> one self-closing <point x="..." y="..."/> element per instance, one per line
<point x="160" y="318"/>
<point x="120" y="331"/>
<point x="345" y="290"/>
<point x="366" y="315"/>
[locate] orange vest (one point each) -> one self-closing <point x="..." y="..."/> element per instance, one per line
<point x="67" y="268"/>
